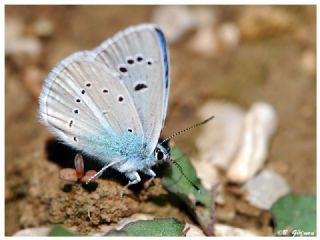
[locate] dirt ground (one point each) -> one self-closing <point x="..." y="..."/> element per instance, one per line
<point x="273" y="64"/>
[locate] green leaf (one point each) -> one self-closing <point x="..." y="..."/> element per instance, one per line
<point x="198" y="202"/>
<point x="175" y="182"/>
<point x="156" y="227"/>
<point x="59" y="230"/>
<point x="295" y="213"/>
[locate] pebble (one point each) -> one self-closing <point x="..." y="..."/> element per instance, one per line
<point x="223" y="230"/>
<point x="33" y="232"/>
<point x="17" y="44"/>
<point x="175" y="21"/>
<point x="208" y="174"/>
<point x="219" y="139"/>
<point x="229" y="35"/>
<point x="265" y="189"/>
<point x="308" y="62"/>
<point x="43" y="28"/>
<point x="259" y="125"/>
<point x="205" y="42"/>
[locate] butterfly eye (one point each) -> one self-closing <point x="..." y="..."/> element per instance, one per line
<point x="159" y="155"/>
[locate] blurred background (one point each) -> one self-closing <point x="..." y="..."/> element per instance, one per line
<point x="222" y="58"/>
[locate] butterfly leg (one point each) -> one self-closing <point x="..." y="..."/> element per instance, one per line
<point x="134" y="178"/>
<point x="149" y="172"/>
<point x="98" y="174"/>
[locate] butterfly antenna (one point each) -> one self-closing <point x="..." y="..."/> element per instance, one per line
<point x="185" y="176"/>
<point x="187" y="129"/>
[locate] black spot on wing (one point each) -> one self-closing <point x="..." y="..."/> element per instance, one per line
<point x="140" y="86"/>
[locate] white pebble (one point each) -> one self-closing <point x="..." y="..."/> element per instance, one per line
<point x="219" y="138"/>
<point x="208" y="173"/>
<point x="259" y="126"/>
<point x="32" y="232"/>
<point x="205" y="41"/>
<point x="43" y="27"/>
<point x="265" y="189"/>
<point x="175" y="21"/>
<point x="16" y="43"/>
<point x="229" y="35"/>
<point x="223" y="230"/>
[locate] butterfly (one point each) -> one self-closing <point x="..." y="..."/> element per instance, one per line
<point x="110" y="103"/>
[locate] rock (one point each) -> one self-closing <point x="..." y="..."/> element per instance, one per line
<point x="33" y="232"/>
<point x="43" y="28"/>
<point x="223" y="230"/>
<point x="308" y="62"/>
<point x="19" y="46"/>
<point x="259" y="126"/>
<point x="219" y="138"/>
<point x="265" y="189"/>
<point x="229" y="35"/>
<point x="175" y="21"/>
<point x="205" y="42"/>
<point x="193" y="231"/>
<point x="28" y="46"/>
<point x="208" y="173"/>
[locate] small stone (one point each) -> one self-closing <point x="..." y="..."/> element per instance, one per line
<point x="220" y="138"/>
<point x="265" y="189"/>
<point x="208" y="173"/>
<point x="229" y="35"/>
<point x="205" y="42"/>
<point x="175" y="21"/>
<point x="223" y="230"/>
<point x="32" y="232"/>
<point x="193" y="231"/>
<point x="308" y="62"/>
<point x="43" y="28"/>
<point x="259" y="126"/>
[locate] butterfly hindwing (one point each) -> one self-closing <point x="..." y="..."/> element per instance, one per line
<point x="87" y="105"/>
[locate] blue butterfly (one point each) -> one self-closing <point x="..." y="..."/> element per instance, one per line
<point x="110" y="103"/>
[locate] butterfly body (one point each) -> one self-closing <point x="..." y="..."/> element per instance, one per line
<point x="111" y="102"/>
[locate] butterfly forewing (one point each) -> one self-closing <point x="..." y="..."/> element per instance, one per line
<point x="140" y="56"/>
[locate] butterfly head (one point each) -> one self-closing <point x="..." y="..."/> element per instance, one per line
<point x="162" y="153"/>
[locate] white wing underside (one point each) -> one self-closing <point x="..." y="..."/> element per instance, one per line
<point x="103" y="91"/>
